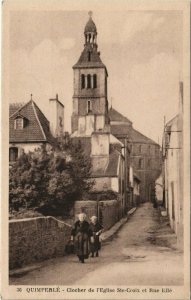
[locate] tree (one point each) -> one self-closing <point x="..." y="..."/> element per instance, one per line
<point x="28" y="179"/>
<point x="50" y="181"/>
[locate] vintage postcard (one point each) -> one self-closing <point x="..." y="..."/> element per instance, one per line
<point x="95" y="169"/>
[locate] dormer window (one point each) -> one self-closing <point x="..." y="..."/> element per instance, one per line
<point x="19" y="123"/>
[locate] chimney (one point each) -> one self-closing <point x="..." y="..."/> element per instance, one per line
<point x="56" y="114"/>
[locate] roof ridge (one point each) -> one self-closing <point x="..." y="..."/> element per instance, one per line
<point x="36" y="115"/>
<point x="171" y="120"/>
<point x="41" y="111"/>
<point x="19" y="108"/>
<point x="144" y="135"/>
<point x="119" y="114"/>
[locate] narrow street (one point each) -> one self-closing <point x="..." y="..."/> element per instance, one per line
<point x="142" y="252"/>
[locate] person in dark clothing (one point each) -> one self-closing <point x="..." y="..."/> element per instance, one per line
<point x="81" y="235"/>
<point x="96" y="228"/>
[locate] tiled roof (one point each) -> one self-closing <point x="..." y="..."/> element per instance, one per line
<point x="95" y="61"/>
<point x="36" y="128"/>
<point x="114" y="115"/>
<point x="120" y="129"/>
<point x="13" y="107"/>
<point x="138" y="137"/>
<point x="125" y="128"/>
<point x="136" y="176"/>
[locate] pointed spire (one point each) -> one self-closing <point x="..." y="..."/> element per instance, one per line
<point x="31" y="97"/>
<point x="90" y="25"/>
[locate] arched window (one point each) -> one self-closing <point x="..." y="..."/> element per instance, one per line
<point x="89" y="56"/>
<point x="149" y="149"/>
<point x="13" y="154"/>
<point x="94" y="81"/>
<point x="82" y="81"/>
<point x="89" y="81"/>
<point x="89" y="106"/>
<point x="140" y="148"/>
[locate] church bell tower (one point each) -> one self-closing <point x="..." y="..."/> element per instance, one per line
<point x="90" y="104"/>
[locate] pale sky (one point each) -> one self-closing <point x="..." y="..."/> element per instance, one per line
<point x="142" y="51"/>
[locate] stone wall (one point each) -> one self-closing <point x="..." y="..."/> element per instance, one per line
<point x="36" y="239"/>
<point x="108" y="211"/>
<point x="88" y="207"/>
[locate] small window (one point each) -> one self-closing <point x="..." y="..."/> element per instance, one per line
<point x="149" y="149"/>
<point x="89" y="56"/>
<point x="140" y="148"/>
<point x="13" y="154"/>
<point x="82" y="81"/>
<point x="19" y="123"/>
<point x="89" y="81"/>
<point x="94" y="81"/>
<point x="89" y="107"/>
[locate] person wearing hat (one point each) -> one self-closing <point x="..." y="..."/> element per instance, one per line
<point x="96" y="228"/>
<point x="81" y="234"/>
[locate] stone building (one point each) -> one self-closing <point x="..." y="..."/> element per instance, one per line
<point x="145" y="154"/>
<point x="90" y="118"/>
<point x="29" y="128"/>
<point x="90" y="103"/>
<point x="173" y="170"/>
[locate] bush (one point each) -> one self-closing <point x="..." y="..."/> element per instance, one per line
<point x="49" y="182"/>
<point x="102" y="195"/>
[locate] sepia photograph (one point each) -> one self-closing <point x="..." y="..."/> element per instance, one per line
<point x="95" y="135"/>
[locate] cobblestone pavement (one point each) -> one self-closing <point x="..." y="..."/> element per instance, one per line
<point x="142" y="252"/>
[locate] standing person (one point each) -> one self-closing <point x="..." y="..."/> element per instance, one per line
<point x="81" y="235"/>
<point x="96" y="228"/>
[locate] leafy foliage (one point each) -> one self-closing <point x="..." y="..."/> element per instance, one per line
<point x="102" y="195"/>
<point x="49" y="181"/>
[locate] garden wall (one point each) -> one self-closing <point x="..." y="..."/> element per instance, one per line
<point x="107" y="211"/>
<point x="36" y="239"/>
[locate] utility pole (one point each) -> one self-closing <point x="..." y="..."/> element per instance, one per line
<point x="124" y="204"/>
